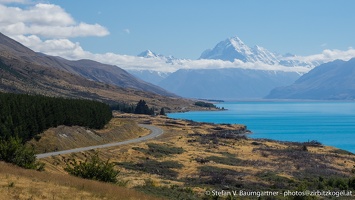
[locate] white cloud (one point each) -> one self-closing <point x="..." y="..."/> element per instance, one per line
<point x="56" y="47"/>
<point x="46" y="28"/>
<point x="157" y="64"/>
<point x="46" y="20"/>
<point x="328" y="55"/>
<point x="70" y="50"/>
<point x="40" y="14"/>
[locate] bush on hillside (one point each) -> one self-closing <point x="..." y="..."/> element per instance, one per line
<point x="13" y="151"/>
<point x="93" y="168"/>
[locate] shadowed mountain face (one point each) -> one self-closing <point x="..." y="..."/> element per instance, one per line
<point x="109" y="74"/>
<point x="332" y="81"/>
<point x="25" y="71"/>
<point x="12" y="51"/>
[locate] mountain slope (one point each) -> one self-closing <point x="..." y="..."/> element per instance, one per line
<point x="232" y="83"/>
<point x="334" y="80"/>
<point x="25" y="71"/>
<point x="109" y="74"/>
<point x="87" y="69"/>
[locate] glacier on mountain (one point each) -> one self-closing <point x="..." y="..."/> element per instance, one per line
<point x="234" y="48"/>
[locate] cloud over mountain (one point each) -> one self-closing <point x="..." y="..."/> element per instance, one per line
<point x="48" y="28"/>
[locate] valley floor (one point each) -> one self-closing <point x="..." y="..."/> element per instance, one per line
<point x="189" y="161"/>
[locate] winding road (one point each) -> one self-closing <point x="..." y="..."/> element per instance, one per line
<point x="155" y="132"/>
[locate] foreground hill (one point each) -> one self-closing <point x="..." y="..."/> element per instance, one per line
<point x="332" y="81"/>
<point x="18" y="183"/>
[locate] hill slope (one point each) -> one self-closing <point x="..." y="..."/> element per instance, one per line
<point x="91" y="70"/>
<point x="334" y="80"/>
<point x="25" y="71"/>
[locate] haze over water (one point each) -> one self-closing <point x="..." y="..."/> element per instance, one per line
<point x="331" y="123"/>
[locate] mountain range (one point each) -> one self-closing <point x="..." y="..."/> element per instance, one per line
<point x="247" y="83"/>
<point x="330" y="81"/>
<point x="25" y="71"/>
<point x="227" y="84"/>
<point x="149" y="54"/>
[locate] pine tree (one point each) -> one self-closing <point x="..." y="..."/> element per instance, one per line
<point x="141" y="107"/>
<point x="162" y="111"/>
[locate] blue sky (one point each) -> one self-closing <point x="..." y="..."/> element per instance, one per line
<point x="183" y="28"/>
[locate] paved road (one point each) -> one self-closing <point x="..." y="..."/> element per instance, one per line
<point x="155" y="132"/>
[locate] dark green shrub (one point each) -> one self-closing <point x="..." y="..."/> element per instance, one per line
<point x="93" y="168"/>
<point x="13" y="151"/>
<point x="352" y="183"/>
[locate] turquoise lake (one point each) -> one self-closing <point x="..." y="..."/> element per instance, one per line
<point x="331" y="123"/>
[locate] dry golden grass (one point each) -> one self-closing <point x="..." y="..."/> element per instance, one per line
<point x="259" y="157"/>
<point x="18" y="183"/>
<point x="253" y="157"/>
<point x="64" y="137"/>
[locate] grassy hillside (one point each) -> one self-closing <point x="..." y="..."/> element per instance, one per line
<point x="18" y="183"/>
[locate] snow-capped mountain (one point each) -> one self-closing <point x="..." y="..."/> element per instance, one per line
<point x="149" y="54"/>
<point x="231" y="70"/>
<point x="154" y="76"/>
<point x="290" y="60"/>
<point x="234" y="48"/>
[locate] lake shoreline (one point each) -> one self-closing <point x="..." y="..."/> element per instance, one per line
<point x="293" y="121"/>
